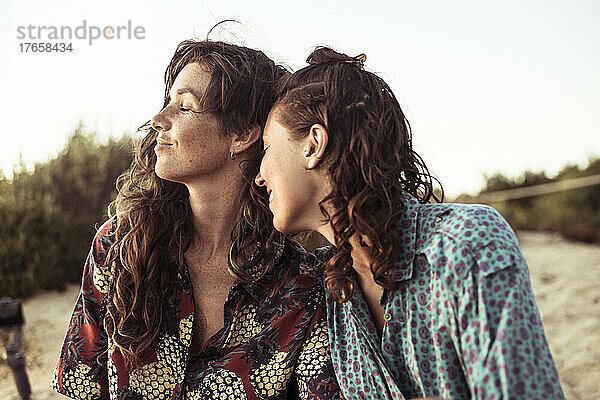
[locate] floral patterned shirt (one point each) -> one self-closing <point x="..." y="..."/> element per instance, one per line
<point x="273" y="339"/>
<point x="462" y="322"/>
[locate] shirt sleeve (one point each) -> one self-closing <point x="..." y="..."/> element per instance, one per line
<point x="314" y="369"/>
<point x="504" y="351"/>
<point x="81" y="370"/>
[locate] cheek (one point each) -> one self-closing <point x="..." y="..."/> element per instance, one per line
<point x="272" y="168"/>
<point x="294" y="204"/>
<point x="296" y="189"/>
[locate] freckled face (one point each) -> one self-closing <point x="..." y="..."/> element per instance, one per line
<point x="189" y="143"/>
<point x="294" y="191"/>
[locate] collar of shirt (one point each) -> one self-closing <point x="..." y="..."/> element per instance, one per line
<point x="408" y="238"/>
<point x="256" y="290"/>
<point x="408" y="225"/>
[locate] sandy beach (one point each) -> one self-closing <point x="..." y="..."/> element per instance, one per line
<point x="565" y="278"/>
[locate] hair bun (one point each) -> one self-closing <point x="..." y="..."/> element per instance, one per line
<point x="325" y="55"/>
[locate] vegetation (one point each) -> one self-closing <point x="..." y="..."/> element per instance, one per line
<point x="48" y="216"/>
<point x="574" y="213"/>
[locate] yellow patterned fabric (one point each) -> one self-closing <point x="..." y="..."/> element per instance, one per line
<point x="154" y="381"/>
<point x="101" y="279"/>
<point x="271" y="378"/>
<point x="314" y="355"/>
<point x="185" y="329"/>
<point x="113" y="387"/>
<point x="220" y="385"/>
<point x="315" y="352"/>
<point x="244" y="326"/>
<point x="172" y="353"/>
<point x="76" y="383"/>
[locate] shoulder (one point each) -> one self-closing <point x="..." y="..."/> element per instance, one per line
<point x="475" y="224"/>
<point x="97" y="272"/>
<point x="460" y="238"/>
<point x="297" y="261"/>
<point x="299" y="273"/>
<point x="103" y="239"/>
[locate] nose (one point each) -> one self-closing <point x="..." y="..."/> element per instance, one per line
<point x="259" y="180"/>
<point x="160" y="122"/>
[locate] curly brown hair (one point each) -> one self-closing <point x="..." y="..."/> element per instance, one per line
<point x="152" y="225"/>
<point x="369" y="159"/>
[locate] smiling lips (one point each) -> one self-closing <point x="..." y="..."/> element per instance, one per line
<point x="161" y="144"/>
<point x="270" y="193"/>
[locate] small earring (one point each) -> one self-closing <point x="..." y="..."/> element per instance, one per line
<point x="232" y="155"/>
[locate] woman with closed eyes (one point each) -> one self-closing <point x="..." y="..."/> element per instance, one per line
<point x="188" y="291"/>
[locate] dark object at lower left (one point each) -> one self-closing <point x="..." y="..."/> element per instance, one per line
<point x="11" y="313"/>
<point x="12" y="321"/>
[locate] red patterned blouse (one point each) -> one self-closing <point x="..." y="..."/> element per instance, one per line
<point x="273" y="344"/>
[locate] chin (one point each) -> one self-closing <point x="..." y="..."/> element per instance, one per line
<point x="164" y="174"/>
<point x="159" y="171"/>
<point x="284" y="227"/>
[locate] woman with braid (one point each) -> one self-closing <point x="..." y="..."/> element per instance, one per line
<point x="424" y="299"/>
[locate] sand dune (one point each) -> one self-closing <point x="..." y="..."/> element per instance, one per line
<point x="565" y="278"/>
<point x="566" y="281"/>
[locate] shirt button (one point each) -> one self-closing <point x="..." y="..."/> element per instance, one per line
<point x="387" y="316"/>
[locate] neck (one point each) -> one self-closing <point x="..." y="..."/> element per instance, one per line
<point x="215" y="208"/>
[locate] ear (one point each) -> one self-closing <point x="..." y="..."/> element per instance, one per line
<point x="316" y="145"/>
<point x="243" y="140"/>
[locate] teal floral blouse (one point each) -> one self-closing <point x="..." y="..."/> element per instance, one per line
<point x="462" y="322"/>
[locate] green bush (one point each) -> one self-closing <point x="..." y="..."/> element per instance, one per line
<point x="48" y="216"/>
<point x="575" y="212"/>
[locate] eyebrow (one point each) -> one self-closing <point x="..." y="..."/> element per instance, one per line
<point x="190" y="91"/>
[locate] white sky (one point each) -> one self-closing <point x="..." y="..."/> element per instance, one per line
<point x="488" y="86"/>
